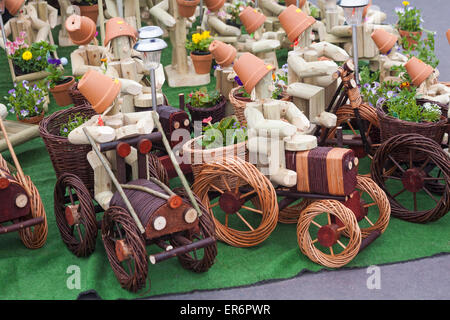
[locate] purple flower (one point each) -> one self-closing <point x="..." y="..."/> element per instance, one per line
<point x="238" y="81"/>
<point x="24" y="113"/>
<point x="65" y="130"/>
<point x="390" y="94"/>
<point x="39" y="58"/>
<point x="376" y="84"/>
<point x="12" y="110"/>
<point x="380" y="100"/>
<point x="36" y="109"/>
<point x="366" y="86"/>
<point x="11" y="91"/>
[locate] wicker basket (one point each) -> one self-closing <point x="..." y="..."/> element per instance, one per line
<point x="193" y="152"/>
<point x="67" y="157"/>
<point x="390" y="127"/>
<point x="77" y="98"/>
<point x="217" y="112"/>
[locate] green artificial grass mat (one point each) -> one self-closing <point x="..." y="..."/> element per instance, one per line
<point x="46" y="272"/>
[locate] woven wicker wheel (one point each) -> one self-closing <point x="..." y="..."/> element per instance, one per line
<point x="396" y="177"/>
<point x="378" y="206"/>
<point x="310" y="247"/>
<point x="231" y="206"/>
<point x="80" y="238"/>
<point x="346" y="117"/>
<point x="117" y="224"/>
<point x="35" y="237"/>
<point x="291" y="213"/>
<point x="199" y="260"/>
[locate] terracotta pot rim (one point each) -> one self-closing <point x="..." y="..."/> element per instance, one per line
<point x="388" y="40"/>
<point x="111" y="34"/>
<point x="187" y="3"/>
<point x="228" y="59"/>
<point x="424" y="73"/>
<point x="258" y="22"/>
<point x="33" y="118"/>
<point x="90" y="25"/>
<point x="201" y="57"/>
<point x="64" y="86"/>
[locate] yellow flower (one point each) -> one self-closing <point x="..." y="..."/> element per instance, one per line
<point x="27" y="55"/>
<point x="405" y="3"/>
<point x="205" y="35"/>
<point x="196" y="37"/>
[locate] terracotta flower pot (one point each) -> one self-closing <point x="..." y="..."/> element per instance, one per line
<point x="202" y="62"/>
<point x="223" y="53"/>
<point x="409" y="37"/>
<point x="13" y="6"/>
<point x="186" y="8"/>
<point x="251" y="19"/>
<point x="250" y="70"/>
<point x="99" y="89"/>
<point x="90" y="11"/>
<point x="32" y="120"/>
<point x="418" y="70"/>
<point x="301" y="3"/>
<point x="384" y="40"/>
<point x="61" y="92"/>
<point x="214" y="5"/>
<point x="81" y="29"/>
<point x="117" y="27"/>
<point x="294" y="21"/>
<point x="448" y="36"/>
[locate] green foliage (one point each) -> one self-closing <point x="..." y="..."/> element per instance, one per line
<point x="202" y="98"/>
<point x="74" y="121"/>
<point x="409" y="18"/>
<point x="34" y="58"/>
<point x="26" y="100"/>
<point x="56" y="75"/>
<point x="234" y="10"/>
<point x="224" y="133"/>
<point x="315" y="13"/>
<point x="243" y="93"/>
<point x="280" y="80"/>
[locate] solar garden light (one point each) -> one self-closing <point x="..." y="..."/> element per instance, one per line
<point x="353" y="12"/>
<point x="151" y="47"/>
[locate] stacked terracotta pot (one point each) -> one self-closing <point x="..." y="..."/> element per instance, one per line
<point x="294" y="21"/>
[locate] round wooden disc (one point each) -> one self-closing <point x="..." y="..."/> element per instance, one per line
<point x="21" y="200"/>
<point x="4" y="183"/>
<point x="230" y="202"/>
<point x="190" y="215"/>
<point x="123" y="149"/>
<point x="159" y="223"/>
<point x="328" y="235"/>
<point x="413" y="179"/>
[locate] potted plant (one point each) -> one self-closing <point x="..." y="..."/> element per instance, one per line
<point x="58" y="83"/>
<point x="233" y="11"/>
<point x="27" y="101"/>
<point x="226" y="138"/>
<point x="88" y="8"/>
<point x="280" y="80"/>
<point x="74" y="121"/>
<point x="199" y="51"/>
<point x="409" y="24"/>
<point x="29" y="59"/>
<point x="202" y="104"/>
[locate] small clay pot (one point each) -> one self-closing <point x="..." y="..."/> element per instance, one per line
<point x="90" y="11"/>
<point x="186" y="8"/>
<point x="223" y="53"/>
<point x="117" y="27"/>
<point x="301" y="3"/>
<point x="251" y="19"/>
<point x="448" y="35"/>
<point x="60" y="92"/>
<point x="32" y="120"/>
<point x="294" y="21"/>
<point x="13" y="6"/>
<point x="214" y="5"/>
<point x="81" y="29"/>
<point x="250" y="70"/>
<point x="99" y="89"/>
<point x="409" y="36"/>
<point x="418" y="70"/>
<point x="384" y="40"/>
<point x="202" y="62"/>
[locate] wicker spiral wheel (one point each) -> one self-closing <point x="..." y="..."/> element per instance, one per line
<point x="291" y="213"/>
<point x="313" y="248"/>
<point x="35" y="237"/>
<point x="157" y="170"/>
<point x="199" y="260"/>
<point x="79" y="238"/>
<point x="397" y="176"/>
<point x="231" y="204"/>
<point x="118" y="225"/>
<point x="346" y="117"/>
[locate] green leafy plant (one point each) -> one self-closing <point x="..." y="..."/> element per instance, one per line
<point x="74" y="121"/>
<point x="234" y="10"/>
<point x="315" y="13"/>
<point x="29" y="58"/>
<point x="280" y="81"/>
<point x="202" y="98"/>
<point x="409" y="18"/>
<point x="26" y="100"/>
<point x="199" y="42"/>
<point x="56" y="75"/>
<point x="227" y="131"/>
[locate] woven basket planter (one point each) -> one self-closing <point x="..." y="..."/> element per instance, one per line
<point x="390" y="127"/>
<point x="217" y="112"/>
<point x="198" y="156"/>
<point x="65" y="156"/>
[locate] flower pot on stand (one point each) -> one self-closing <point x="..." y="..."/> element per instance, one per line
<point x="60" y="92"/>
<point x="223" y="53"/>
<point x="384" y="40"/>
<point x="251" y="19"/>
<point x="186" y="8"/>
<point x="418" y="70"/>
<point x="90" y="11"/>
<point x="214" y="5"/>
<point x="409" y="37"/>
<point x="81" y="29"/>
<point x="99" y="89"/>
<point x="118" y="27"/>
<point x="202" y="61"/>
<point x="250" y="70"/>
<point x="216" y="112"/>
<point x="294" y="21"/>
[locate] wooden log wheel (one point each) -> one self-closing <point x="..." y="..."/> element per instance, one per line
<point x="75" y="215"/>
<point x="229" y="208"/>
<point x="399" y="176"/>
